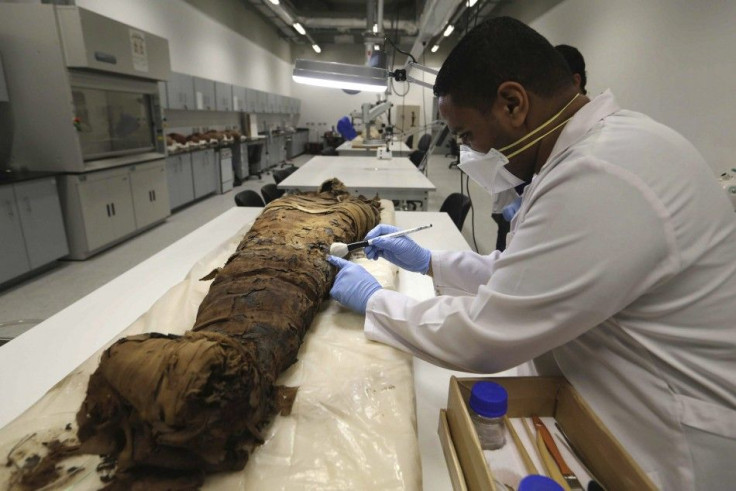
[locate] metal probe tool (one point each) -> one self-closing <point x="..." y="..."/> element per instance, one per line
<point x="341" y="249"/>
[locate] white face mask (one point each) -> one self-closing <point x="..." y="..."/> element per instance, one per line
<point x="489" y="170"/>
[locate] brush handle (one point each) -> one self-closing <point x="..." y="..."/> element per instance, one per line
<point x="365" y="243"/>
<point x="399" y="233"/>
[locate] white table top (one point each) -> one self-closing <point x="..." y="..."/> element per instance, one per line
<point x="431" y="383"/>
<point x="349" y="147"/>
<point x="34" y="362"/>
<point x="397" y="173"/>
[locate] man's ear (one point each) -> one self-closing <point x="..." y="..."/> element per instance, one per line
<point x="512" y="103"/>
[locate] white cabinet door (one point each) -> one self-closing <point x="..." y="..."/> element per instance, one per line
<point x="224" y="96"/>
<point x="239" y="98"/>
<point x="150" y="193"/>
<point x="204" y="172"/>
<point x="107" y="207"/>
<point x="251" y="100"/>
<point x="179" y="179"/>
<point x="13" y="257"/>
<point x="180" y="91"/>
<point x="204" y="93"/>
<point x="43" y="225"/>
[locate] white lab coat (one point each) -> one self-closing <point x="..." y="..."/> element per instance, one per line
<point x="622" y="261"/>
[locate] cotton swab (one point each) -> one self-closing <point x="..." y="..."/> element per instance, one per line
<point x="341" y="249"/>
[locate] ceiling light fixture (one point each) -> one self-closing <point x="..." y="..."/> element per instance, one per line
<point x="449" y="30"/>
<point x="340" y="75"/>
<point x="472" y="2"/>
<point x="375" y="27"/>
<point x="316" y="48"/>
<point x="435" y="48"/>
<point x="275" y="2"/>
<point x="299" y="28"/>
<point x="354" y="77"/>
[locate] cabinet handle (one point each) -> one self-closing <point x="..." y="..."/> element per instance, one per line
<point x="108" y="209"/>
<point x="154" y="195"/>
<point x="113" y="208"/>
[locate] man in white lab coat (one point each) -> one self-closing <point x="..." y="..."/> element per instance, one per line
<point x="621" y="260"/>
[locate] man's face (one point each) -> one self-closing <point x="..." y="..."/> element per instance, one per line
<point x="475" y="128"/>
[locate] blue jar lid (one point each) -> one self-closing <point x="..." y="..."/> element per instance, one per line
<point x="489" y="399"/>
<point x="538" y="483"/>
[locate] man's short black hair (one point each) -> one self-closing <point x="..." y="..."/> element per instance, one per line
<point x="575" y="61"/>
<point x="501" y="49"/>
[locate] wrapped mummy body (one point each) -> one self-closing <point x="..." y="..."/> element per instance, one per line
<point x="200" y="401"/>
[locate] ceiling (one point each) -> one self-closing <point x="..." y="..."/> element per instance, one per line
<point x="413" y="25"/>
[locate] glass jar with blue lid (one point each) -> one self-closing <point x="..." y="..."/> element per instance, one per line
<point x="488" y="406"/>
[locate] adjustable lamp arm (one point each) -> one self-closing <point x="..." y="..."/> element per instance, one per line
<point x="401" y="75"/>
<point x="369" y="114"/>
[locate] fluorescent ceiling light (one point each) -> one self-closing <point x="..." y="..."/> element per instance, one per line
<point x="340" y="75"/>
<point x="472" y="2"/>
<point x="449" y="30"/>
<point x="299" y="28"/>
<point x="435" y="48"/>
<point x="275" y="2"/>
<point x="316" y="48"/>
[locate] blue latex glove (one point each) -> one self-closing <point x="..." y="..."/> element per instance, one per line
<point x="402" y="251"/>
<point x="353" y="284"/>
<point x="509" y="211"/>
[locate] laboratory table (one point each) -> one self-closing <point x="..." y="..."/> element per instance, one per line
<point x="395" y="179"/>
<point x="356" y="149"/>
<point x="34" y="362"/>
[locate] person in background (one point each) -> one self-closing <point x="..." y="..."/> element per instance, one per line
<point x="620" y="263"/>
<point x="576" y="62"/>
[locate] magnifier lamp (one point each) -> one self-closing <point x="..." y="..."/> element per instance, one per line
<point x="354" y="77"/>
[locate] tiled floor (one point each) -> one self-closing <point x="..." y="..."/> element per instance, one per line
<point x="42" y="296"/>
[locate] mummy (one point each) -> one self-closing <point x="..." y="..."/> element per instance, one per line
<point x="202" y="400"/>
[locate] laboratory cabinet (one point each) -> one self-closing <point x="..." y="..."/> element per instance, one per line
<point x="239" y="98"/>
<point x="180" y="91"/>
<point x="223" y="96"/>
<point x="32" y="227"/>
<point x="105" y="207"/>
<point x="150" y="192"/>
<point x="251" y="100"/>
<point x="179" y="178"/>
<point x="204" y="93"/>
<point x="275" y="150"/>
<point x="204" y="172"/>
<point x="298" y="143"/>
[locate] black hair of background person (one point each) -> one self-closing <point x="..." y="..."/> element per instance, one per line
<point x="576" y="62"/>
<point x="498" y="50"/>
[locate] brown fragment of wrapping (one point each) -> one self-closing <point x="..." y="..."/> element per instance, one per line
<point x="202" y="400"/>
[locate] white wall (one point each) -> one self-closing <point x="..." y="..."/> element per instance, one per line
<point x="670" y="59"/>
<point x="201" y="46"/>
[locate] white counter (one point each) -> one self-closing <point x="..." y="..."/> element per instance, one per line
<point x="395" y="179"/>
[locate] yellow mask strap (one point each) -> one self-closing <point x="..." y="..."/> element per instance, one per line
<point x="539" y="128"/>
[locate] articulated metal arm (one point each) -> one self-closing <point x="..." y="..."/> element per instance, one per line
<point x="402" y="74"/>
